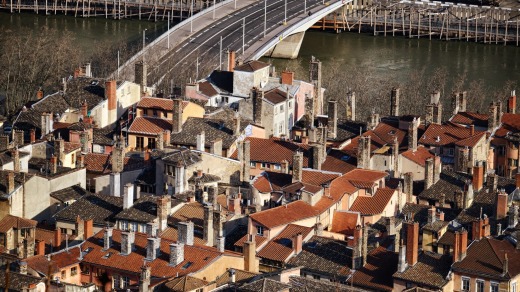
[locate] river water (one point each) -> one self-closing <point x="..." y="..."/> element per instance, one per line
<point x="388" y="58"/>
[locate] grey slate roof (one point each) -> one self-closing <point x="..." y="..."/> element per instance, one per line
<point x="70" y="193"/>
<point x="103" y="136"/>
<point x="101" y="208"/>
<point x="184" y="156"/>
<point x="143" y="210"/>
<point x="430" y="270"/>
<point x="265" y="285"/>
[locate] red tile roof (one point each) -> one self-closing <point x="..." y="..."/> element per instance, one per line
<point x="339" y="161"/>
<point x="199" y="256"/>
<point x="345" y="222"/>
<point x="275" y="96"/>
<point x="59" y="260"/>
<point x="279" y="150"/>
<point x="286" y="214"/>
<point x="470" y="118"/>
<point x="207" y="89"/>
<point x="376" y="204"/>
<point x="274" y="181"/>
<point x="471" y="141"/>
<point x="102" y="163"/>
<point x="69" y="146"/>
<point x="10" y="221"/>
<point x="150" y="125"/>
<point x="251" y="66"/>
<point x="159" y="103"/>
<point x="419" y="156"/>
<point x="259" y="240"/>
<point x="364" y="177"/>
<point x="511" y="121"/>
<point x="440" y="135"/>
<point x="262" y="184"/>
<point x="280" y="248"/>
<point x="377" y="272"/>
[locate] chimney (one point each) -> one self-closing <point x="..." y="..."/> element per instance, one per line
<point x="80" y="227"/>
<point x="492" y="182"/>
<point x="118" y="157"/>
<point x="456" y="247"/>
<point x="18" y="139"/>
<point x="177" y="116"/>
<point x="390" y="226"/>
<point x="144" y="280"/>
<point x="236" y="125"/>
<point x="32" y="135"/>
<point x="395" y="156"/>
<point x="218" y="225"/>
<point x="127" y="242"/>
<point x="244" y="156"/>
<point x="432" y="215"/>
<point x="478" y="176"/>
<point x="505" y="265"/>
<point x="501" y="205"/>
<point x="412" y="243"/>
<point x="208" y="224"/>
<point x="408" y="186"/>
<point x="185" y="232"/>
<point x="351" y="106"/>
<point x="88" y="228"/>
<point x="16" y="159"/>
<point x="40" y="247"/>
<point x="317" y="156"/>
<point x="166" y="137"/>
<point x="297" y="166"/>
<point x="493" y="112"/>
<point x="257" y="98"/>
<point x="513" y="216"/>
<point x="111" y="96"/>
<point x="455" y="102"/>
<point x="428" y="173"/>
<point x="250" y="261"/>
<point x="463" y="243"/>
<point x="10" y="182"/>
<point x="332" y="122"/>
<point x="374" y="121"/>
<point x="284" y="164"/>
<point x="363" y="152"/>
<point x="4" y="142"/>
<point x="402" y="264"/>
<point x="23" y="267"/>
<point x="297" y="242"/>
<point x="231" y="61"/>
<point x="107" y="238"/>
<point x="128" y="196"/>
<point x="163" y="211"/>
<point x="151" y="229"/>
<point x="511" y="103"/>
<point x="234" y="204"/>
<point x="141" y="72"/>
<point x="57" y="238"/>
<point x="216" y="147"/>
<point x="472" y="130"/>
<point x="437" y="169"/>
<point x="159" y="144"/>
<point x="115" y="184"/>
<point x="221" y="244"/>
<point x="59" y="149"/>
<point x="84" y="109"/>
<point x="212" y="197"/>
<point x="287" y="77"/>
<point x="394" y="102"/>
<point x="517" y="180"/>
<point x="477" y="228"/>
<point x="39" y="94"/>
<point x="201" y="142"/>
<point x="365" y="244"/>
<point x="176" y="253"/>
<point x="153" y="248"/>
<point x="315" y="77"/>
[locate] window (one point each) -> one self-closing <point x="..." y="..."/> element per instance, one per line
<point x="465" y="284"/>
<point x="290" y="104"/>
<point x="72" y="160"/>
<point x="264" y="165"/>
<point x="277" y="166"/>
<point x="63" y="230"/>
<point x="155" y="113"/>
<point x="315" y="277"/>
<point x="85" y="270"/>
<point x="280" y="128"/>
<point x="25" y="232"/>
<point x="117" y="281"/>
<point x="145" y="112"/>
<point x="151" y="143"/>
<point x="125" y="281"/>
<point x="260" y="230"/>
<point x="63" y="274"/>
<point x="493" y="287"/>
<point x="124" y="225"/>
<point x="513" y="286"/>
<point x="281" y="108"/>
<point x="450" y="151"/>
<point x="139" y="144"/>
<point x="73" y="271"/>
<point x="479" y="285"/>
<point x="501" y="150"/>
<point x="252" y="164"/>
<point x="132" y="226"/>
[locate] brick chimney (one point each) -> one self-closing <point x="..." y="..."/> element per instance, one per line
<point x="111" y="96"/>
<point x="297" y="243"/>
<point x="185" y="232"/>
<point x="412" y="243"/>
<point x="32" y="135"/>
<point x="250" y="261"/>
<point x="287" y="77"/>
<point x="297" y="166"/>
<point x="39" y="93"/>
<point x="332" y="121"/>
<point x="394" y="102"/>
<point x="40" y="247"/>
<point x="163" y="211"/>
<point x="231" y="61"/>
<point x="478" y="176"/>
<point x="177" y="116"/>
<point x="176" y="253"/>
<point x="57" y="238"/>
<point x="208" y="232"/>
<point x="234" y="204"/>
<point x="460" y="245"/>
<point x="511" y="103"/>
<point x="10" y="182"/>
<point x="88" y="229"/>
<point x="501" y="205"/>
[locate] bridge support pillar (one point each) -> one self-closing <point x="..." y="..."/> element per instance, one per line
<point x="288" y="48"/>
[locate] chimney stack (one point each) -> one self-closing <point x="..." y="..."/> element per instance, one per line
<point x="201" y="142"/>
<point x="144" y="281"/>
<point x="257" y="98"/>
<point x="244" y="156"/>
<point x="408" y="187"/>
<point x="216" y="147"/>
<point x="208" y="225"/>
<point x="10" y="182"/>
<point x="151" y="229"/>
<point x="32" y="135"/>
<point x="16" y="159"/>
<point x="317" y="156"/>
<point x="40" y="247"/>
<point x="492" y="120"/>
<point x="88" y="228"/>
<point x="160" y="141"/>
<point x="250" y="262"/>
<point x="332" y="123"/>
<point x="428" y="173"/>
<point x="478" y="176"/>
<point x="394" y="102"/>
<point x="432" y="215"/>
<point x="287" y="77"/>
<point x="351" y="106"/>
<point x="455" y="102"/>
<point x="163" y="211"/>
<point x="39" y="93"/>
<point x="297" y="166"/>
<point x="363" y="152"/>
<point x="390" y="226"/>
<point x="460" y="245"/>
<point x="141" y="73"/>
<point x="177" y="116"/>
<point x="412" y="243"/>
<point x="57" y="238"/>
<point x="107" y="238"/>
<point x="153" y="248"/>
<point x="128" y="196"/>
<point x="84" y="109"/>
<point x="501" y="205"/>
<point x="127" y="242"/>
<point x="511" y="104"/>
<point x="185" y="232"/>
<point x="176" y="253"/>
<point x="231" y="61"/>
<point x="513" y="216"/>
<point x="297" y="243"/>
<point x="236" y="125"/>
<point x="395" y="154"/>
<point x="111" y="96"/>
<point x="402" y="263"/>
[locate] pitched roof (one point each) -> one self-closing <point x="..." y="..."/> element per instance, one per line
<point x="279" y="150"/>
<point x="325" y="256"/>
<point x="470" y="118"/>
<point x="430" y="270"/>
<point x="265" y="284"/>
<point x="58" y="260"/>
<point x="286" y="214"/>
<point x="280" y="248"/>
<point x="103" y="136"/>
<point x="100" y="208"/>
<point x="17" y="281"/>
<point x="259" y="240"/>
<point x="102" y="163"/>
<point x="364" y="178"/>
<point x="240" y="277"/>
<point x="371" y="205"/>
<point x="339" y="161"/>
<point x="193" y="212"/>
<point x="185" y="283"/>
<point x="344" y="222"/>
<point x="156" y="102"/>
<point x="447" y="134"/>
<point x="69" y="194"/>
<point x="143" y="210"/>
<point x="275" y="96"/>
<point x="419" y="156"/>
<point x="377" y="272"/>
<point x="251" y="66"/>
<point x="10" y="221"/>
<point x="19" y="179"/>
<point x="198" y="256"/>
<point x="304" y="284"/>
<point x="150" y="125"/>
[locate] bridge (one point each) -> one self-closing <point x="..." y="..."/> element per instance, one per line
<point x="251" y="28"/>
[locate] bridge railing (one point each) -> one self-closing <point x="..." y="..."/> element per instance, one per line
<point x="171" y="30"/>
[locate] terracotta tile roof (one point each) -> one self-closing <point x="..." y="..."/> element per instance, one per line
<point x="430" y="270"/>
<point x="190" y="212"/>
<point x="275" y="96"/>
<point x="275" y="181"/>
<point x="199" y="256"/>
<point x="185" y="283"/>
<point x="100" y="208"/>
<point x="325" y="256"/>
<point x="419" y="156"/>
<point x="70" y="147"/>
<point x="241" y="276"/>
<point x="251" y="66"/>
<point x="286" y="214"/>
<point x="207" y="89"/>
<point x="448" y="238"/>
<point x="339" y="161"/>
<point x="10" y="221"/>
<point x="470" y="118"/>
<point x="376" y="204"/>
<point x="258" y="239"/>
<point x="280" y="248"/>
<point x="279" y="150"/>
<point x="150" y="125"/>
<point x="471" y="141"/>
<point x="344" y="222"/>
<point x="59" y="260"/>
<point x="156" y="102"/>
<point x="317" y="177"/>
<point x="262" y="184"/>
<point x="102" y="163"/>
<point x="441" y="135"/>
<point x="377" y="272"/>
<point x="172" y="234"/>
<point x="364" y="178"/>
<point x="265" y="284"/>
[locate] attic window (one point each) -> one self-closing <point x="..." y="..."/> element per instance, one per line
<point x="392" y="132"/>
<point x="108" y="255"/>
<point x="345" y="157"/>
<point x="87" y="250"/>
<point x="206" y="258"/>
<point x="187" y="265"/>
<point x="438" y="139"/>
